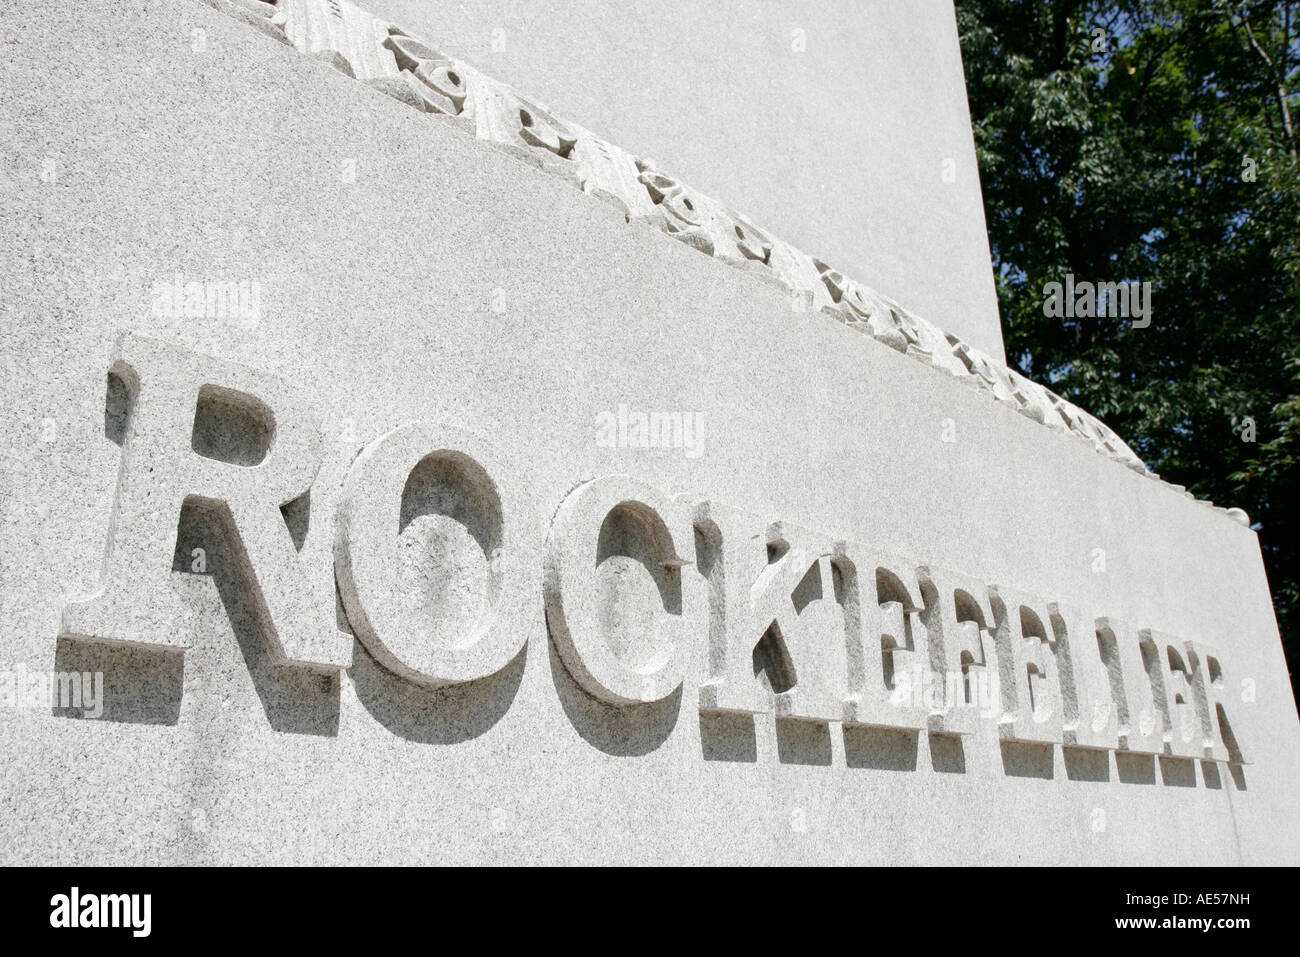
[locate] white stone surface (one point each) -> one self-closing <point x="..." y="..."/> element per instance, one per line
<point x="406" y="273"/>
<point x="830" y="122"/>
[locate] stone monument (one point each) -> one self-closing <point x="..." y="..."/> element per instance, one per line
<point x="399" y="468"/>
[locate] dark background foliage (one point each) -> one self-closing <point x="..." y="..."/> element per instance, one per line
<point x="1155" y="140"/>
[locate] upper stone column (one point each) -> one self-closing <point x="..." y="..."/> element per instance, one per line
<point x="840" y="125"/>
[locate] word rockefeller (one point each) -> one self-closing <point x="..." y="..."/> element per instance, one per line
<point x="641" y="587"/>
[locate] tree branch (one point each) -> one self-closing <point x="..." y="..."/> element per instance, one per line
<point x="1279" y="78"/>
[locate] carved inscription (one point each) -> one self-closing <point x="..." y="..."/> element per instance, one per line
<point x="437" y="562"/>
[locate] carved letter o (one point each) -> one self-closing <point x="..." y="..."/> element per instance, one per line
<point x="472" y="516"/>
<point x="614" y="591"/>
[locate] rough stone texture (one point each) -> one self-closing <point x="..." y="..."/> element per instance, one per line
<point x="408" y="272"/>
<point x="840" y="149"/>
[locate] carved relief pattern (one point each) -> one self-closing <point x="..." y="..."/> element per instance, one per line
<point x="409" y="70"/>
<point x="341" y="34"/>
<point x="432" y="79"/>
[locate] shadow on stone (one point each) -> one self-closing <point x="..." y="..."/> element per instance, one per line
<point x="728" y="737"/>
<point x="1178" y="772"/>
<point x="1022" y="759"/>
<point x="296" y="700"/>
<point x="1210" y="772"/>
<point x="803" y="742"/>
<point x="117" y="405"/>
<point x="881" y="749"/>
<point x="625" y="731"/>
<point x="1135" y="768"/>
<point x="428" y="715"/>
<point x="297" y="518"/>
<point x="140" y="685"/>
<point x="1086" y="764"/>
<point x="947" y="755"/>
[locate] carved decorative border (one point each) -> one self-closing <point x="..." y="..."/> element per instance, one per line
<point x="384" y="56"/>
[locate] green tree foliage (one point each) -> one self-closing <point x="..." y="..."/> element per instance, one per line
<point x="1156" y="141"/>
